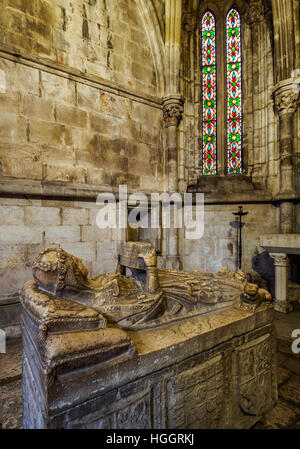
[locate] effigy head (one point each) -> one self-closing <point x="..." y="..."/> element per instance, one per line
<point x="54" y="269"/>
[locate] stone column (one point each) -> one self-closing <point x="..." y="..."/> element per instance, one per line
<point x="172" y="110"/>
<point x="286" y="96"/>
<point x="281" y="263"/>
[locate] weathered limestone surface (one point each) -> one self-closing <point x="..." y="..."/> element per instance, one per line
<point x="80" y="105"/>
<point x="218" y="245"/>
<point x="81" y="110"/>
<point x="185" y="376"/>
<point x="168" y="350"/>
<point x="59" y="122"/>
<point x="279" y="247"/>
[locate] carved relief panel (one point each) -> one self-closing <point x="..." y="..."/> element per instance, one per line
<point x="135" y="413"/>
<point x="255" y="383"/>
<point x="195" y="397"/>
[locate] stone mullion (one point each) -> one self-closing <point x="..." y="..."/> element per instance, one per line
<point x="261" y="82"/>
<point x="272" y="153"/>
<point x="265" y="101"/>
<point x="257" y="122"/>
<point x="198" y="125"/>
<point x="172" y="112"/>
<point x="182" y="127"/>
<point x="221" y="91"/>
<point x="190" y="101"/>
<point x="196" y="99"/>
<point x="247" y="96"/>
<point x="255" y="18"/>
<point x="283" y="38"/>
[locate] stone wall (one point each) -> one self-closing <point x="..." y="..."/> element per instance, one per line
<point x="218" y="246"/>
<point x="105" y="38"/>
<point x="81" y="87"/>
<point x="29" y="226"/>
<point x="260" y="154"/>
<point x="63" y="114"/>
<point x="80" y="105"/>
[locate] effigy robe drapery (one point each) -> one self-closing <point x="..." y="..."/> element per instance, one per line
<point x="156" y="349"/>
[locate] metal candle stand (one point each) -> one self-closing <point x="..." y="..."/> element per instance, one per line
<point x="240" y="214"/>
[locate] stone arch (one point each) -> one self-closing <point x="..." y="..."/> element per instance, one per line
<point x="255" y="103"/>
<point x="155" y="38"/>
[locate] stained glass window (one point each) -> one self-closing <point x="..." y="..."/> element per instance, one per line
<point x="209" y="94"/>
<point x="234" y="93"/>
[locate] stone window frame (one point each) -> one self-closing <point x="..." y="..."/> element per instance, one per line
<point x="220" y="11"/>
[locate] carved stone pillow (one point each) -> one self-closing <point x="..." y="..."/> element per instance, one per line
<point x="53" y="314"/>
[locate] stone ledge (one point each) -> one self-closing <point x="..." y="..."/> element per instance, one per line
<point x="237" y="189"/>
<point x="11" y="364"/>
<point x="15" y="55"/>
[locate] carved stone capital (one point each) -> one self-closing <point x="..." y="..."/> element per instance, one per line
<point x="190" y="22"/>
<point x="286" y="95"/>
<point x="255" y="12"/>
<point x="280" y="259"/>
<point x="283" y="306"/>
<point x="172" y="111"/>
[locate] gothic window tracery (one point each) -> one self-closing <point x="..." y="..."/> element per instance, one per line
<point x="228" y="74"/>
<point x="234" y="93"/>
<point x="209" y="94"/>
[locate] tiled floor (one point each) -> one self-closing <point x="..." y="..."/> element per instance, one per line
<point x="11" y="388"/>
<point x="286" y="413"/>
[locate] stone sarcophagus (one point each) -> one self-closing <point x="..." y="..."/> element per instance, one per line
<point x="156" y="349"/>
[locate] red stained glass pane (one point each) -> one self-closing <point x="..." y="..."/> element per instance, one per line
<point x="234" y="92"/>
<point x="209" y="94"/>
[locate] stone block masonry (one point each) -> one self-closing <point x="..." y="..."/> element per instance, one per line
<point x="28" y="226"/>
<point x="67" y="131"/>
<point x="82" y="110"/>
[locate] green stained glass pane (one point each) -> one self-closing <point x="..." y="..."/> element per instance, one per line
<point x="234" y="90"/>
<point x="234" y="66"/>
<point x="209" y="139"/>
<point x="234" y="101"/>
<point x="209" y="34"/>
<point x="209" y="69"/>
<point x="209" y="103"/>
<point x="233" y="31"/>
<point x="209" y="155"/>
<point x="234" y="138"/>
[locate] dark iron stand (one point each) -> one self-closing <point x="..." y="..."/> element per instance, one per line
<point x="240" y="214"/>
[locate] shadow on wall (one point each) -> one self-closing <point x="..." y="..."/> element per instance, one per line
<point x="294" y="274"/>
<point x="264" y="265"/>
<point x="236" y="225"/>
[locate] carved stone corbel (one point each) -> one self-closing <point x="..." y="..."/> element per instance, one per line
<point x="286" y="96"/>
<point x="280" y="259"/>
<point x="172" y="111"/>
<point x="286" y="101"/>
<point x="255" y="12"/>
<point x="190" y="22"/>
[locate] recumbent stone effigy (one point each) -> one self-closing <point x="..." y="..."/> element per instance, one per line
<point x="157" y="348"/>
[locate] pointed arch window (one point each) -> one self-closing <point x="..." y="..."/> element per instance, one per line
<point x="234" y="93"/>
<point x="209" y="103"/>
<point x="212" y="107"/>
